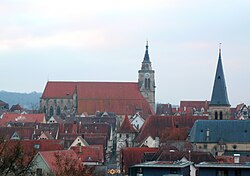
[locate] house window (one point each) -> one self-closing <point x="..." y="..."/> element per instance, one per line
<point x="221" y="173"/>
<point x="36" y="146"/>
<point x="237" y="173"/>
<point x="39" y="172"/>
<point x="173" y="171"/>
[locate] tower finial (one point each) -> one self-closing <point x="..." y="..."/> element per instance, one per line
<point x="220" y="50"/>
<point x="147" y="45"/>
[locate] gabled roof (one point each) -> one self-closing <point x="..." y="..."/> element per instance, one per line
<point x="14" y="117"/>
<point x="24" y="133"/>
<point x="16" y="107"/>
<point x="167" y="126"/>
<point x="232" y="131"/>
<point x="118" y="97"/>
<point x="91" y="153"/>
<point x="219" y="95"/>
<point x="132" y="156"/>
<point x="126" y="127"/>
<point x="78" y="140"/>
<point x="56" y="89"/>
<point x="50" y="157"/>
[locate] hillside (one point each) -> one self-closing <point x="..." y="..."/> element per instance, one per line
<point x="26" y="100"/>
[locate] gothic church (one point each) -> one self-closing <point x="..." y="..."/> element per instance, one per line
<point x="122" y="98"/>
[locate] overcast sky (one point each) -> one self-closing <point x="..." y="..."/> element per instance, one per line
<point x="96" y="40"/>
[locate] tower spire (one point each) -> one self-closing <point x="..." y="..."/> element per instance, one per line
<point x="219" y="95"/>
<point x="146" y="56"/>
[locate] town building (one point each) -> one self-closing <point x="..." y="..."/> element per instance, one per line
<point x="220" y="136"/>
<point x="76" y="98"/>
<point x="160" y="168"/>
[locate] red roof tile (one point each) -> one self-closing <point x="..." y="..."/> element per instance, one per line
<point x="162" y="126"/>
<point x="91" y="153"/>
<point x="119" y="97"/>
<point x="132" y="156"/>
<point x="50" y="157"/>
<point x="13" y="117"/>
<point x="126" y="127"/>
<point x="59" y="89"/>
<point x="24" y="133"/>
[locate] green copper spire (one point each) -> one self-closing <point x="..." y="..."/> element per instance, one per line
<point x="219" y="95"/>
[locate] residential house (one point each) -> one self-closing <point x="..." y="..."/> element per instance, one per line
<point x="161" y="168"/>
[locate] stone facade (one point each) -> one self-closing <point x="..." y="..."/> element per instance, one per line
<point x="57" y="106"/>
<point x="146" y="80"/>
<point x="219" y="112"/>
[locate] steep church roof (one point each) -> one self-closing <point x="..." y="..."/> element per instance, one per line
<point x="126" y="127"/>
<point x="118" y="97"/>
<point x="219" y="95"/>
<point x="146" y="56"/>
<point x="233" y="131"/>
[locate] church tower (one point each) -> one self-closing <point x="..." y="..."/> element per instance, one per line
<point x="146" y="80"/>
<point x="219" y="106"/>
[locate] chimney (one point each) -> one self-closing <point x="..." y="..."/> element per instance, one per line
<point x="157" y="142"/>
<point x="207" y="135"/>
<point x="236" y="158"/>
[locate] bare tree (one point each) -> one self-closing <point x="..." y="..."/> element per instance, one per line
<point x="66" y="165"/>
<point x="13" y="159"/>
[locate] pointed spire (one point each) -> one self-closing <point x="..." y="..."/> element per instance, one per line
<point x="146" y="57"/>
<point x="126" y="127"/>
<point x="219" y="95"/>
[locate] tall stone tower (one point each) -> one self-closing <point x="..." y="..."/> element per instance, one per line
<point x="146" y="80"/>
<point x="219" y="106"/>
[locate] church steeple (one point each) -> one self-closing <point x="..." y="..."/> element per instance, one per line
<point x="146" y="79"/>
<point x="146" y="56"/>
<point x="219" y="95"/>
<point x="219" y="106"/>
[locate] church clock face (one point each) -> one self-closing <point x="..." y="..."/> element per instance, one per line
<point x="147" y="75"/>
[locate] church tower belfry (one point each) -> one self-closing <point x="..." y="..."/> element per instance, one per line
<point x="219" y="106"/>
<point x="146" y="79"/>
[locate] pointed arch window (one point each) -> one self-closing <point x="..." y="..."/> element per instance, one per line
<point x="221" y="115"/>
<point x="51" y="111"/>
<point x="216" y="115"/>
<point x="147" y="83"/>
<point x="44" y="109"/>
<point x="58" y="110"/>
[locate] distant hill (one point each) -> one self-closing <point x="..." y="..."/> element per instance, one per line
<point x="26" y="100"/>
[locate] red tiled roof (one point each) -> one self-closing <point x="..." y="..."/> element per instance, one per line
<point x="44" y="145"/>
<point x="193" y="104"/>
<point x="13" y="117"/>
<point x="50" y="157"/>
<point x="24" y="133"/>
<point x="132" y="156"/>
<point x="2" y="103"/>
<point x="101" y="128"/>
<point x="119" y="97"/>
<point x="16" y="107"/>
<point x="163" y="126"/>
<point x="91" y="153"/>
<point x="59" y="89"/>
<point x="126" y="127"/>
